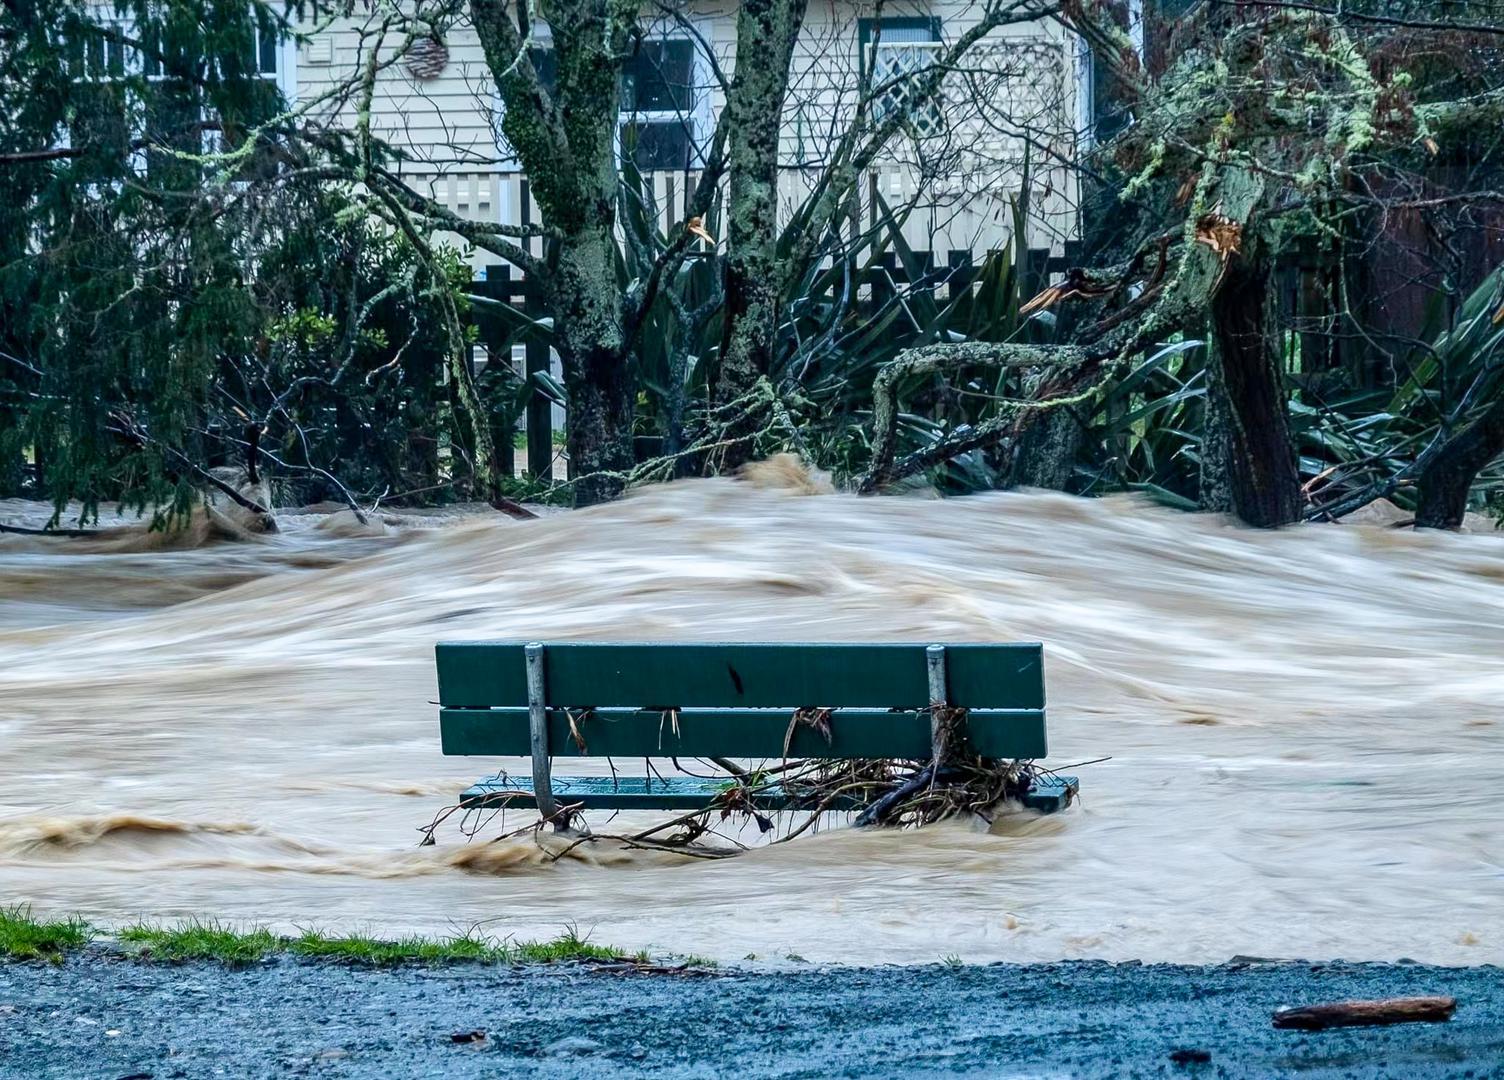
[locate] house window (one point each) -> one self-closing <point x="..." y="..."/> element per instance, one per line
<point x="663" y="107"/>
<point x="1102" y="109"/>
<point x="268" y="52"/>
<point x="137" y="107"/>
<point x="658" y="105"/>
<point x="105" y="56"/>
<point x="271" y="58"/>
<point x="894" y="52"/>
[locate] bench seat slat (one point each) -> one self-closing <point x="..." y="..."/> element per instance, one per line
<point x="742" y="674"/>
<point x="737" y="733"/>
<point x="1051" y="793"/>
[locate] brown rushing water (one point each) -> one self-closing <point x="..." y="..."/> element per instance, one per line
<point x="1304" y="727"/>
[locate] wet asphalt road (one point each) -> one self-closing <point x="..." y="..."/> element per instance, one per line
<point x="100" y="1016"/>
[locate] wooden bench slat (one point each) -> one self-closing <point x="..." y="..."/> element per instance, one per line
<point x="739" y="674"/>
<point x="1050" y="794"/>
<point x="737" y="733"/>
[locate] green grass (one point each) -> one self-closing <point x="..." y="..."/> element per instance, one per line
<point x="696" y="961"/>
<point x="200" y="940"/>
<point x="361" y="949"/>
<point x="23" y="937"/>
<point x="26" y="938"/>
<point x="570" y="947"/>
<point x="196" y="940"/>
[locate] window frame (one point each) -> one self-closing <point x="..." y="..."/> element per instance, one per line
<point x="695" y="119"/>
<point x="870" y="44"/>
<point x="134" y="65"/>
<point x="1088" y="120"/>
<point x="865" y="26"/>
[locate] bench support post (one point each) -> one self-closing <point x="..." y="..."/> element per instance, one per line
<point x="934" y="658"/>
<point x="537" y="717"/>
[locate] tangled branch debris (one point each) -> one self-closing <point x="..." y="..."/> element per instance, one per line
<point x="881" y="792"/>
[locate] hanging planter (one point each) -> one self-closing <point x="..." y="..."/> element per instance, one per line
<point x="427" y="58"/>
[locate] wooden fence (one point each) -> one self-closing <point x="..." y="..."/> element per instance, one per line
<point x="948" y="245"/>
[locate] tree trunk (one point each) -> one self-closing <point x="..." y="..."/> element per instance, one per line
<point x="587" y="306"/>
<point x="1445" y="480"/>
<point x="1248" y="463"/>
<point x="1046" y="453"/>
<point x="565" y="135"/>
<point x="765" y="34"/>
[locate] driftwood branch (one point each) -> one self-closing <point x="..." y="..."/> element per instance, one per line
<point x="1406" y="1010"/>
<point x="23" y="530"/>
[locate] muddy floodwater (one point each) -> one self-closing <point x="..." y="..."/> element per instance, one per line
<point x="1306" y="728"/>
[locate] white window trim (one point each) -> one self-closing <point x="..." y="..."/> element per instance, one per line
<point x="133" y="63"/>
<point x="287" y="69"/>
<point x="934" y="47"/>
<point x="698" y="117"/>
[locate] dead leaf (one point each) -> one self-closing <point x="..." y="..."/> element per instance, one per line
<point x="1043" y="300"/>
<point x="696" y="225"/>
<point x="574" y="728"/>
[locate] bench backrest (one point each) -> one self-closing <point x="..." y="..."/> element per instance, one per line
<point x="736" y="699"/>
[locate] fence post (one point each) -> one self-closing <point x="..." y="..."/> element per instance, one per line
<point x="540" y="433"/>
<point x="498" y="286"/>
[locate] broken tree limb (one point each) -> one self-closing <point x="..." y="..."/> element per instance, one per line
<point x="1405" y="1010"/>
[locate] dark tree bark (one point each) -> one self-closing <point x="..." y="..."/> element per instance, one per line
<point x="565" y="137"/>
<point x="1411" y="1010"/>
<point x="1444" y="482"/>
<point x="1248" y="463"/>
<point x="589" y="339"/>
<point x="1047" y="449"/>
<point x="765" y="34"/>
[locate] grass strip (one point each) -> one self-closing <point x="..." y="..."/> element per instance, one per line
<point x="24" y="937"/>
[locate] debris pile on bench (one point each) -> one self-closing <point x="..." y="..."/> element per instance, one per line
<point x="912" y="734"/>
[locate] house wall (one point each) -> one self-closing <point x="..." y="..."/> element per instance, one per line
<point x="956" y="183"/>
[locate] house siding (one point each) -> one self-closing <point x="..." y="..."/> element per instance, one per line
<point x="958" y="185"/>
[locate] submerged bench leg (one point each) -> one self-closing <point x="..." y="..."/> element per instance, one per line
<point x="537" y="717"/>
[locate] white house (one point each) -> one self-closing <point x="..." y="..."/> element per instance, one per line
<point x="1015" y="93"/>
<point x="1022" y="92"/>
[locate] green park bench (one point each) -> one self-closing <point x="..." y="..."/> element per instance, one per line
<point x="727" y="701"/>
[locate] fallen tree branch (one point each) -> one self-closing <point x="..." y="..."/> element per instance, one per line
<point x="1407" y="1010"/>
<point x="23" y="530"/>
<point x="133" y="431"/>
<point x="933" y="359"/>
<point x="877" y="811"/>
